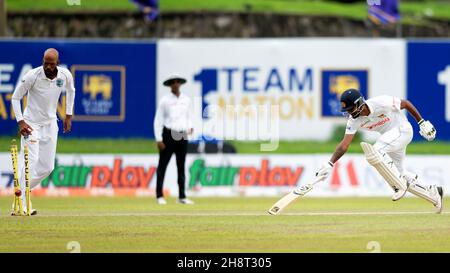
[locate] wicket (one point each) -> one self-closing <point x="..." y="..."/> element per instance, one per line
<point x="18" y="204"/>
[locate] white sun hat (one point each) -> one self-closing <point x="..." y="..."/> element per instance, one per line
<point x="172" y="78"/>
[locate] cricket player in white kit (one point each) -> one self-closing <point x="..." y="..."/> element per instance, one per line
<point x="384" y="114"/>
<point x="38" y="124"/>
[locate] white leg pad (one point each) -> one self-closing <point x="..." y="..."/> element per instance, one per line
<point x="426" y="193"/>
<point x="384" y="165"/>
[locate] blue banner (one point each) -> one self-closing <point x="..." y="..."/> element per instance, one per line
<point x="428" y="83"/>
<point x="335" y="82"/>
<point x="114" y="81"/>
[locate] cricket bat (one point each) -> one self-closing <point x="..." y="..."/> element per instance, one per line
<point x="291" y="197"/>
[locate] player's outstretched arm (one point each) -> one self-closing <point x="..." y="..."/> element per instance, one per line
<point x="341" y="149"/>
<point x="427" y="129"/>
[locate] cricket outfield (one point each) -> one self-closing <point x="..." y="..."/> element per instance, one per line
<point x="229" y="225"/>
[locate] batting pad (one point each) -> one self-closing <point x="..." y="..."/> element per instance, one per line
<point x="384" y="165"/>
<point x="424" y="192"/>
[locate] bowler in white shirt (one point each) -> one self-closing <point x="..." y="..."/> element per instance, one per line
<point x="38" y="124"/>
<point x="172" y="125"/>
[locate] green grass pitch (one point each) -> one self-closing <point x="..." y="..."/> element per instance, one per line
<point x="229" y="225"/>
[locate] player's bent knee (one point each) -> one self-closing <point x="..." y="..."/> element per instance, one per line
<point x="384" y="165"/>
<point x="372" y="156"/>
<point x="380" y="147"/>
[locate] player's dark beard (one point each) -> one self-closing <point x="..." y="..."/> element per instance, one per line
<point x="49" y="73"/>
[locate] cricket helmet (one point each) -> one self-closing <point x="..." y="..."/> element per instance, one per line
<point x="352" y="102"/>
<point x="351" y="98"/>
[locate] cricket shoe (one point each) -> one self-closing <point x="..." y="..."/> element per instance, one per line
<point x="185" y="201"/>
<point x="32" y="211"/>
<point x="399" y="193"/>
<point x="440" y="199"/>
<point x="161" y="201"/>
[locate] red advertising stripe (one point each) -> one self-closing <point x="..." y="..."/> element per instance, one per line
<point x="335" y="178"/>
<point x="352" y="174"/>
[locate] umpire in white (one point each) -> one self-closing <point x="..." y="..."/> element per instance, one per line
<point x="172" y="125"/>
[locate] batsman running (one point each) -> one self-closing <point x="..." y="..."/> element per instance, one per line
<point x="384" y="114"/>
<point x="38" y="124"/>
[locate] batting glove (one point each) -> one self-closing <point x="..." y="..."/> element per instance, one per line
<point x="325" y="170"/>
<point x="427" y="130"/>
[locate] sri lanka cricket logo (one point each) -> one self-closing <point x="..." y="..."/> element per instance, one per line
<point x="340" y="83"/>
<point x="103" y="92"/>
<point x="100" y="88"/>
<point x="97" y="84"/>
<point x="336" y="82"/>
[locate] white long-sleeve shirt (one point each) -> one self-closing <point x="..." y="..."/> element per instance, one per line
<point x="174" y="113"/>
<point x="385" y="114"/>
<point x="43" y="95"/>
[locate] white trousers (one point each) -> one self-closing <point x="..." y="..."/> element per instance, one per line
<point x="41" y="153"/>
<point x="394" y="143"/>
